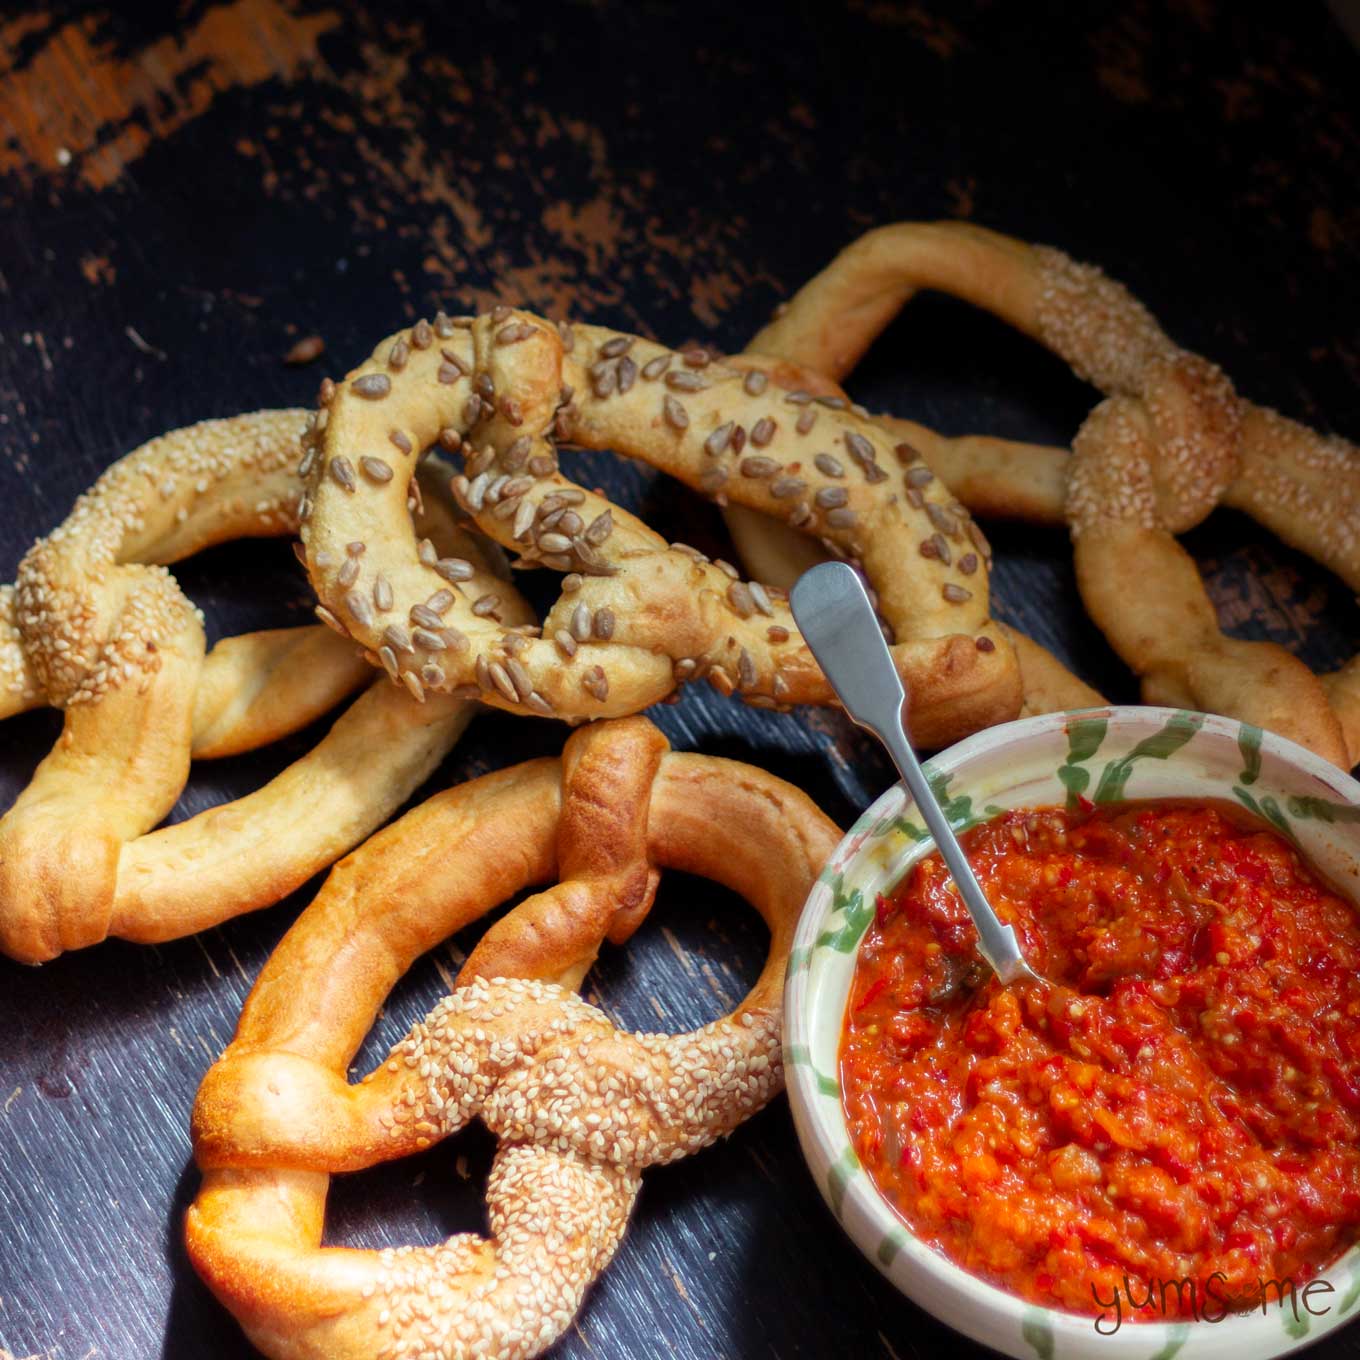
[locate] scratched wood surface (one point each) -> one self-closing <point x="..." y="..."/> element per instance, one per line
<point x="187" y="190"/>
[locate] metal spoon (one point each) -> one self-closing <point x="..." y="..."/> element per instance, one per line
<point x="840" y="627"/>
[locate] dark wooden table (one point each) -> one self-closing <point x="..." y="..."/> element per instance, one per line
<point x="187" y="192"/>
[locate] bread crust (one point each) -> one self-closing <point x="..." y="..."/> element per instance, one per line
<point x="638" y="615"/>
<point x="95" y="625"/>
<point x="580" y="1107"/>
<point x="1171" y="440"/>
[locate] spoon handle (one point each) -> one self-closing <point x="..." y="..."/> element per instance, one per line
<point x="838" y="623"/>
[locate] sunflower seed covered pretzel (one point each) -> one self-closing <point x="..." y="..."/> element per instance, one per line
<point x="96" y="626"/>
<point x="637" y="615"/>
<point x="1172" y="441"/>
<point x="580" y="1107"/>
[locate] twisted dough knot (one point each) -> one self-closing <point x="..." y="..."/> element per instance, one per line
<point x="1170" y="442"/>
<point x="97" y="626"/>
<point x="89" y="618"/>
<point x="1162" y="449"/>
<point x="1162" y="459"/>
<point x="637" y="615"/>
<point x="539" y="1065"/>
<point x="580" y="1107"/>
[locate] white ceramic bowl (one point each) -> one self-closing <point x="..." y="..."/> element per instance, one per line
<point x="1104" y="754"/>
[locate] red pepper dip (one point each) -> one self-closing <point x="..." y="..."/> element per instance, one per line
<point x="1182" y="1102"/>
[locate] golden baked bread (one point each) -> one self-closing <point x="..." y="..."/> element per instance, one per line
<point x="1172" y="440"/>
<point x="96" y="626"/>
<point x="637" y="615"/>
<point x="580" y="1108"/>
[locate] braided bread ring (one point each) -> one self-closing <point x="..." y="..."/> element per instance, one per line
<point x="1173" y="441"/>
<point x="636" y="616"/>
<point x="579" y="1107"/>
<point x="95" y="625"/>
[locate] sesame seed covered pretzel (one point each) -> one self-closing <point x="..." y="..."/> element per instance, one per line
<point x="1172" y="441"/>
<point x="637" y="615"/>
<point x="579" y="1106"/>
<point x="96" y="626"/>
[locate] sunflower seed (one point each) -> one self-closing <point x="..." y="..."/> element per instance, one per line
<point x="746" y="670"/>
<point x="342" y="474"/>
<point x="600" y="528"/>
<point x="596" y="682"/>
<point x="360" y="608"/>
<point x="519" y="678"/>
<point x="760" y="598"/>
<point x="455" y="569"/>
<point x="716" y="443"/>
<point x="524" y="521"/>
<point x="859" y="448"/>
<point x="373" y="386"/>
<point x="331" y="621"/>
<point x="375" y="469"/>
<point x="681" y="381"/>
<point x="428" y="640"/>
<point x="500" y="677"/>
<point x="425" y="617"/>
<point x="763" y="431"/>
<point x="739" y="597"/>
